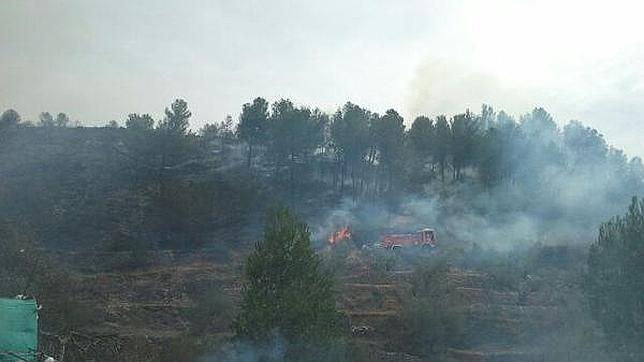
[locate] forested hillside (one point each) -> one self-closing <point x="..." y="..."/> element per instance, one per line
<point x="144" y="238"/>
<point x="162" y="185"/>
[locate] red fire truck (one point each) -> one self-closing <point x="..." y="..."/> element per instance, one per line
<point x="424" y="237"/>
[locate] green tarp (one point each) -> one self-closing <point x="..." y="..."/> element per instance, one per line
<point x="18" y="330"/>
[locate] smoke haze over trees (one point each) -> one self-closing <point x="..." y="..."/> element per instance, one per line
<point x="525" y="175"/>
<point x="338" y="180"/>
<point x="486" y="181"/>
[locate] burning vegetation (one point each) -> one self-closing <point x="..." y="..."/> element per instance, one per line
<point x="342" y="234"/>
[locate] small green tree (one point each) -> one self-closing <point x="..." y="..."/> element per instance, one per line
<point x="284" y="291"/>
<point x="615" y="281"/>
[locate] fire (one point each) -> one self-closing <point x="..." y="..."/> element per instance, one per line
<point x="340" y="235"/>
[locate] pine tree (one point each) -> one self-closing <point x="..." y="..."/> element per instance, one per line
<point x="139" y="122"/>
<point x="615" y="281"/>
<point x="176" y="118"/>
<point x="284" y="291"/>
<point x="253" y="125"/>
<point x="441" y="148"/>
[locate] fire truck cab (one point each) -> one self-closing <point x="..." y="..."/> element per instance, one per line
<point x="428" y="237"/>
<point x="424" y="237"/>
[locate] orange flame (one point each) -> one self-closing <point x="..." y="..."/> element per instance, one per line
<point x="340" y="235"/>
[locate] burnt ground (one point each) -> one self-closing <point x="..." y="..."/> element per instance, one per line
<point x="150" y="307"/>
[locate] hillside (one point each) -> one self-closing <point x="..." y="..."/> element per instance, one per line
<point x="139" y="240"/>
<point x="321" y="181"/>
<point x="149" y="313"/>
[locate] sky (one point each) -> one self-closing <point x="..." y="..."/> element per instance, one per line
<point x="100" y="60"/>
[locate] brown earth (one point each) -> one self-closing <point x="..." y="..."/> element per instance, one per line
<point x="151" y="304"/>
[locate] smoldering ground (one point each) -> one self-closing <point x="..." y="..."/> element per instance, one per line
<point x="571" y="217"/>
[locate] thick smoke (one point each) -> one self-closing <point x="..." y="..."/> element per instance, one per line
<point x="569" y="214"/>
<point x="533" y="183"/>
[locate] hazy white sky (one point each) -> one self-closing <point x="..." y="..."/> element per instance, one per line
<point x="100" y="60"/>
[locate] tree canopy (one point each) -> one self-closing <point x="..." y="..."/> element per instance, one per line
<point x="177" y="118"/>
<point x="9" y="118"/>
<point x="253" y="124"/>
